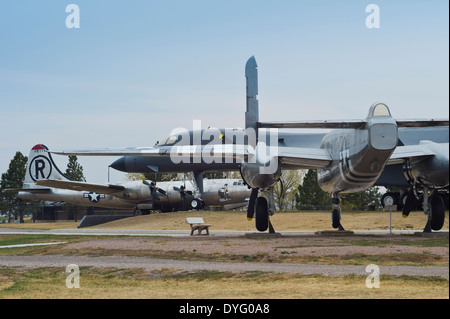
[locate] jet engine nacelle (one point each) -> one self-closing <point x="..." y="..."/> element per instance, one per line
<point x="136" y="190"/>
<point x="431" y="171"/>
<point x="261" y="175"/>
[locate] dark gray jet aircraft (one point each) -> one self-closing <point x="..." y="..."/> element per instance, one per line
<point x="350" y="158"/>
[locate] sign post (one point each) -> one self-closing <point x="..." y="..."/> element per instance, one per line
<point x="390" y="208"/>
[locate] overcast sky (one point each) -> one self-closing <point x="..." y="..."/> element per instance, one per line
<point x="135" y="70"/>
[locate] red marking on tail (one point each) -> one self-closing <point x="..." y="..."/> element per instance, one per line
<point x="39" y="147"/>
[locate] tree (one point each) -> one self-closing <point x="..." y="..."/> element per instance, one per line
<point x="310" y="194"/>
<point x="13" y="178"/>
<point x="284" y="191"/>
<point x="74" y="170"/>
<point x="155" y="177"/>
<point x="360" y="200"/>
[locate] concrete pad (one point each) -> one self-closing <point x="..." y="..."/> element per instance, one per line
<point x="335" y="232"/>
<point x="262" y="235"/>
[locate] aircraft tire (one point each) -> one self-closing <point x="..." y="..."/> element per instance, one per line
<point x="197" y="204"/>
<point x="437" y="211"/>
<point x="335" y="218"/>
<point x="401" y="201"/>
<point x="194" y="204"/>
<point x="389" y="199"/>
<point x="262" y="214"/>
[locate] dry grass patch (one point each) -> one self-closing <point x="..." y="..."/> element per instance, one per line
<point x="236" y="220"/>
<point x="49" y="283"/>
<point x="282" y="221"/>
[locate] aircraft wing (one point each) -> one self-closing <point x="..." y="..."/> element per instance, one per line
<point x="314" y="124"/>
<point x="422" y="122"/>
<point x="300" y="157"/>
<point x="402" y="153"/>
<point x="334" y="124"/>
<point x="297" y="156"/>
<point x="214" y="151"/>
<point x="128" y="151"/>
<point x="28" y="190"/>
<point x="304" y="158"/>
<point x="81" y="186"/>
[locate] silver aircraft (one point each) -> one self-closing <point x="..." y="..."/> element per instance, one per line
<point x="44" y="181"/>
<point x="396" y="177"/>
<point x="350" y="158"/>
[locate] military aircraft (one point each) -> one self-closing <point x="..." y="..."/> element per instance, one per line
<point x="350" y="158"/>
<point x="44" y="181"/>
<point x="395" y="176"/>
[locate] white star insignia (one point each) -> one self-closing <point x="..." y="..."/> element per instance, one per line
<point x="94" y="197"/>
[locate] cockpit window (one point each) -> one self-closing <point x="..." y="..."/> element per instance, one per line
<point x="379" y="109"/>
<point x="171" y="140"/>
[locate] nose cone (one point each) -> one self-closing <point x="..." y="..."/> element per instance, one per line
<point x="119" y="164"/>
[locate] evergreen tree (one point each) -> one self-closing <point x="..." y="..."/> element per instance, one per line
<point x="359" y="200"/>
<point x="74" y="170"/>
<point x="310" y="194"/>
<point x="155" y="177"/>
<point x="13" y="178"/>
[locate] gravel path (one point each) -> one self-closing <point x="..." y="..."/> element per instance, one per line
<point x="299" y="245"/>
<point x="191" y="266"/>
<point x="304" y="245"/>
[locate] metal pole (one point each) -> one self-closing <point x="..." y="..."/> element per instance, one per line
<point x="390" y="221"/>
<point x="390" y="208"/>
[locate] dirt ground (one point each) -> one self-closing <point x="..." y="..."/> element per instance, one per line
<point x="293" y="266"/>
<point x="294" y="246"/>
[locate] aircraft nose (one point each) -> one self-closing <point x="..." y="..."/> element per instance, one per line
<point x="119" y="164"/>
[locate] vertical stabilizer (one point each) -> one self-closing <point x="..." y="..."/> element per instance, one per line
<point x="252" y="113"/>
<point x="41" y="166"/>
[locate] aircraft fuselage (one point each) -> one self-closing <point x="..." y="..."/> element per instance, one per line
<point x="359" y="155"/>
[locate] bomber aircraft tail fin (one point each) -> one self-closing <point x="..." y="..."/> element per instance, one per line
<point x="41" y="166"/>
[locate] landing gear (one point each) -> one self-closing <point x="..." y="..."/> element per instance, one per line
<point x="262" y="214"/>
<point x="336" y="214"/>
<point x="197" y="203"/>
<point x="261" y="209"/>
<point x="410" y="203"/>
<point x="389" y="199"/>
<point x="139" y="212"/>
<point x="434" y="207"/>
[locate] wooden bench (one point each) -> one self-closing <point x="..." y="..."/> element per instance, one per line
<point x="197" y="223"/>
